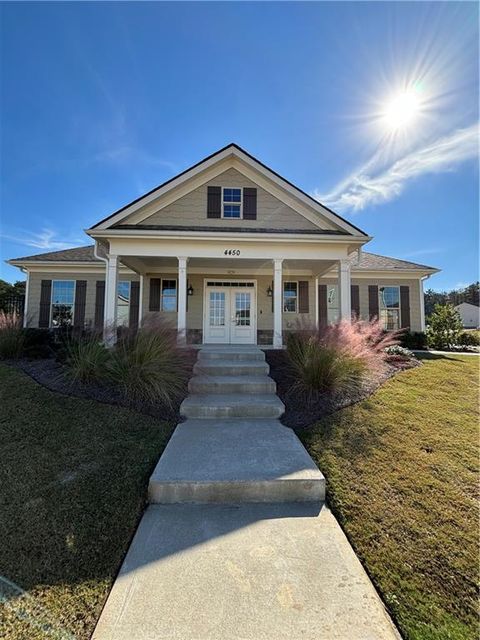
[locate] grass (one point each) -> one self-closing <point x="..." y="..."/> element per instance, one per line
<point x="402" y="473"/>
<point x="72" y="488"/>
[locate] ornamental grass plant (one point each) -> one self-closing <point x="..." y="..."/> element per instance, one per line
<point x="338" y="358"/>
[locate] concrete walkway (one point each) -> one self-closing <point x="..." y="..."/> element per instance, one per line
<point x="237" y="542"/>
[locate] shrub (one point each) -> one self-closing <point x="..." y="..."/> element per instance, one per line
<point x="11" y="335"/>
<point x="398" y="350"/>
<point x="338" y="358"/>
<point x="415" y="340"/>
<point x="469" y="339"/>
<point x="445" y="327"/>
<point x="149" y="366"/>
<point x="86" y="358"/>
<point x="38" y="343"/>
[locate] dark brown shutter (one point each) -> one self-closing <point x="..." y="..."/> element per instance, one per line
<point x="99" y="304"/>
<point x="249" y="203"/>
<point x="79" y="307"/>
<point x="303" y="305"/>
<point x="372" y="301"/>
<point x="155" y="290"/>
<point x="273" y="293"/>
<point x="405" y="307"/>
<point x="322" y="305"/>
<point x="355" y="298"/>
<point x="134" y="304"/>
<point x="45" y="299"/>
<point x="214" y="202"/>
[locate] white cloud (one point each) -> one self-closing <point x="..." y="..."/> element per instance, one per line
<point x="365" y="187"/>
<point x="46" y="239"/>
<point x="422" y="252"/>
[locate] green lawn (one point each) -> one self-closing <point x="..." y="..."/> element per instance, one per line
<point x="402" y="473"/>
<point x="73" y="479"/>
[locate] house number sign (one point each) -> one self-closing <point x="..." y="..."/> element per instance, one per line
<point x="231" y="252"/>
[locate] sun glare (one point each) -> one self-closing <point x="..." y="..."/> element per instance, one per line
<point x="402" y="110"/>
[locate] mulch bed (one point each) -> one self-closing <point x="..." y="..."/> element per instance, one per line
<point x="301" y="411"/>
<point x="52" y="375"/>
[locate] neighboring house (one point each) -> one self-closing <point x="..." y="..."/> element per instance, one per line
<point x="230" y="252"/>
<point x="470" y="315"/>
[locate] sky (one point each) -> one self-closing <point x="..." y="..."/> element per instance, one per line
<point x="371" y="107"/>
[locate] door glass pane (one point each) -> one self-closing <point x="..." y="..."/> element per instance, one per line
<point x="217" y="309"/>
<point x="242" y="309"/>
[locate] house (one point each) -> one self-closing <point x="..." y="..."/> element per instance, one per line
<point x="470" y="315"/>
<point x="228" y="251"/>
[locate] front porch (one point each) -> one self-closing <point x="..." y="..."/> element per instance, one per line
<point x="226" y="300"/>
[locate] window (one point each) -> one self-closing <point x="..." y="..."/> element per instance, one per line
<point x="290" y="296"/>
<point x="63" y="299"/>
<point x="169" y="295"/>
<point x="123" y="303"/>
<point x="217" y="308"/>
<point x="232" y="203"/>
<point x="333" y="311"/>
<point x="390" y="307"/>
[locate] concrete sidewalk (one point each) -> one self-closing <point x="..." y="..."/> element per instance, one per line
<point x="251" y="571"/>
<point x="238" y="544"/>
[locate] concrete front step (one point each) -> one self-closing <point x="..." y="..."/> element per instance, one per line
<point x="231" y="384"/>
<point x="236" y="353"/>
<point x="235" y="460"/>
<point x="232" y="406"/>
<point x="231" y="367"/>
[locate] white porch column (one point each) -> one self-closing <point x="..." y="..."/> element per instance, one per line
<point x="110" y="319"/>
<point x="182" y="301"/>
<point x="344" y="290"/>
<point x="277" y="303"/>
<point x="140" y="302"/>
<point x="316" y="304"/>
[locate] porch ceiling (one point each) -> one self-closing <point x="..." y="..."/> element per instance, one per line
<point x="225" y="266"/>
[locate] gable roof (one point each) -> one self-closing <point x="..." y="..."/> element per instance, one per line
<point x="467" y="304"/>
<point x="368" y="261"/>
<point x="235" y="150"/>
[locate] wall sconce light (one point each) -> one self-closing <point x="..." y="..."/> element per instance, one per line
<point x="269" y="291"/>
<point x="190" y="290"/>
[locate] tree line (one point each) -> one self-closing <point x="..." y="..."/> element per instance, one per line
<point x="469" y="294"/>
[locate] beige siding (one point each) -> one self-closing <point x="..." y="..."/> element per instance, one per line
<point x="34" y="293"/>
<point x="195" y="302"/>
<point x="191" y="209"/>
<point x="264" y="302"/>
<point x="363" y="283"/>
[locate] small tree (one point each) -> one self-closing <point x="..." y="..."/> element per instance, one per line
<point x="445" y="327"/>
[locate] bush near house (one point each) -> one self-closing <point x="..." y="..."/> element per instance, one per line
<point x="86" y="358"/>
<point x="470" y="338"/>
<point x="149" y="366"/>
<point x="414" y="340"/>
<point x="338" y="358"/>
<point x="12" y="336"/>
<point x="444" y="328"/>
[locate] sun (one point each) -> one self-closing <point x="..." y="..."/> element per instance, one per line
<point x="402" y="110"/>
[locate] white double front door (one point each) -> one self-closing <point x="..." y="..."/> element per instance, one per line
<point x="230" y="313"/>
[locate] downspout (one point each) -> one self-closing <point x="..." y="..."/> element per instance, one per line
<point x="105" y="260"/>
<point x="27" y="293"/>
<point x="422" y="303"/>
